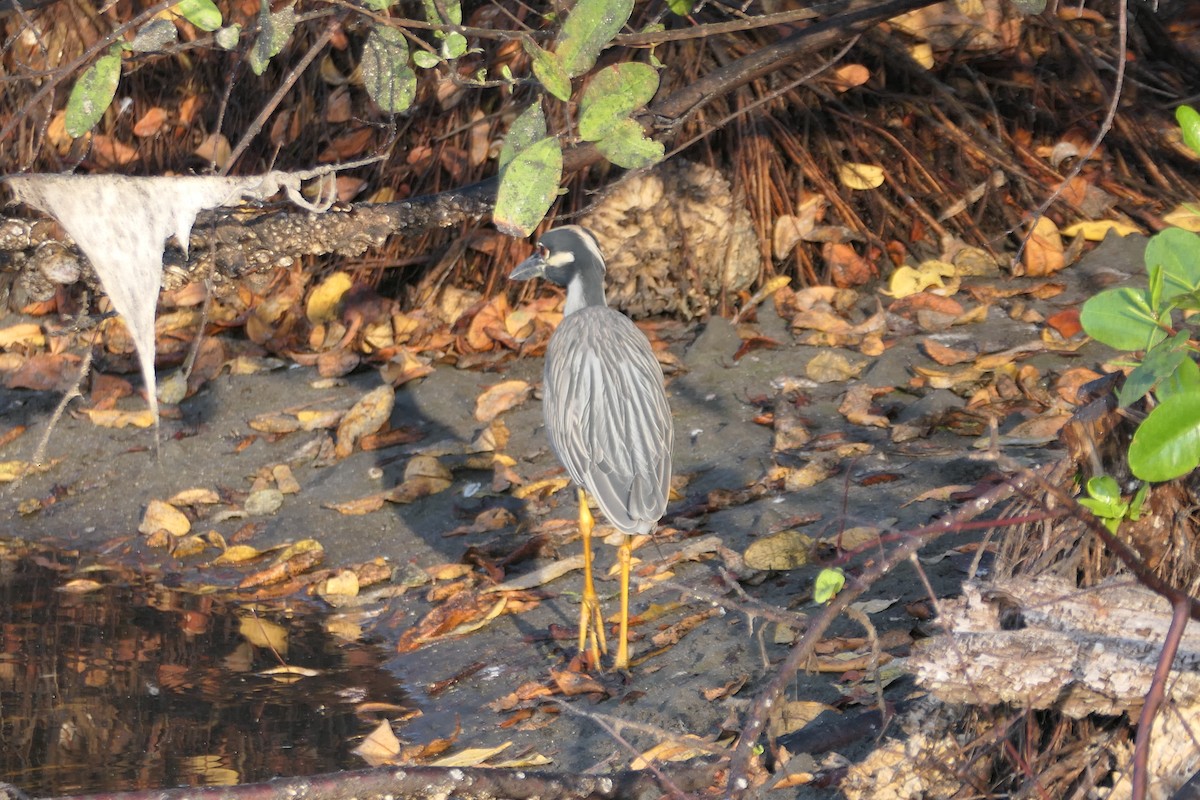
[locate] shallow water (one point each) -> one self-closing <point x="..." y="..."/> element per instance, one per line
<point x="128" y="683"/>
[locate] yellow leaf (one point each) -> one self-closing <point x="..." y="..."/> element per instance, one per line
<point x="344" y="584"/>
<point x="264" y="633"/>
<point x="1096" y="230"/>
<point x="1043" y="252"/>
<point x="80" y="586"/>
<point x="194" y="497"/>
<point x="471" y="757"/>
<point x="380" y="746"/>
<point x="1186" y="216"/>
<point x="112" y="418"/>
<point x="546" y="487"/>
<point x="860" y="176"/>
<point x="162" y="516"/>
<point x="780" y="551"/>
<point x="324" y="300"/>
<point x="26" y="333"/>
<point x="238" y="554"/>
<point x="923" y="54"/>
<point x="908" y="280"/>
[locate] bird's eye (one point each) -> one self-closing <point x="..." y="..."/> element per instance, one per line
<point x="542" y="250"/>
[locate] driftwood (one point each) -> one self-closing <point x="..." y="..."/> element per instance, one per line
<point x="1044" y="643"/>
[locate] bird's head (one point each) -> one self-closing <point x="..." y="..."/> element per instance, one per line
<point x="570" y="257"/>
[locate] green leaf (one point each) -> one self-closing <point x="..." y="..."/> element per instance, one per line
<point x="681" y="8"/>
<point x="528" y="128"/>
<point x="589" y="27"/>
<point x="1161" y="361"/>
<point x="92" y="94"/>
<point x="626" y="146"/>
<point x="1185" y="379"/>
<point x="155" y="36"/>
<point x="228" y="38"/>
<point x="1104" y="489"/>
<point x="274" y="31"/>
<point x="528" y="187"/>
<point x="612" y="95"/>
<point x="434" y="17"/>
<point x="454" y="45"/>
<point x="1122" y="319"/>
<point x="1177" y="253"/>
<point x="204" y="14"/>
<point x="425" y="59"/>
<point x="1167" y="443"/>
<point x="1189" y="125"/>
<point x="387" y="77"/>
<point x="549" y="70"/>
<point x="829" y="582"/>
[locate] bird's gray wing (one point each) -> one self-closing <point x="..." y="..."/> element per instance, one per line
<point x="607" y="415"/>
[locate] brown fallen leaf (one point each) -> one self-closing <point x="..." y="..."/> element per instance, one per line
<point x="162" y="516"/>
<point x="948" y="356"/>
<point x="497" y="399"/>
<point x="856" y="405"/>
<point x="1043" y="251"/>
<point x="779" y="551"/>
<point x="366" y="416"/>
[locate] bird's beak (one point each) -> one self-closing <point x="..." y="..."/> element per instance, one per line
<point x="532" y="267"/>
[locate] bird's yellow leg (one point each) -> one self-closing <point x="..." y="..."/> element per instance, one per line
<point x="591" y="625"/>
<point x="624" y="558"/>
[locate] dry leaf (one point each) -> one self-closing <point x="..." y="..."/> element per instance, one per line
<point x="264" y="633"/>
<point x="830" y="367"/>
<point x="162" y="516"/>
<point x="150" y="123"/>
<point x="1043" y="252"/>
<point x="326" y="298"/>
<point x="948" y="356"/>
<point x="1096" y="230"/>
<point x="848" y="76"/>
<point x="780" y="551"/>
<point x="380" y="747"/>
<point x="238" y="554"/>
<point x="497" y="399"/>
<point x="28" y="334"/>
<point x="112" y="418"/>
<point x="860" y="177"/>
<point x="846" y="267"/>
<point x="367" y="416"/>
<point x="856" y="405"/>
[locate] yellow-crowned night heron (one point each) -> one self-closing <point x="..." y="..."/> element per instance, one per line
<point x="606" y="413"/>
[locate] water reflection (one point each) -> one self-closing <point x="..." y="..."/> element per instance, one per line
<point x="129" y="684"/>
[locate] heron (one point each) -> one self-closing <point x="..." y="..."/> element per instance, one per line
<point x="607" y="415"/>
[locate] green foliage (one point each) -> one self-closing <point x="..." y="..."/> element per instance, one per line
<point x="588" y="29"/>
<point x="93" y="93"/>
<point x="227" y="38"/>
<point x="626" y="146"/>
<point x="681" y="8"/>
<point x="613" y="94"/>
<point x="274" y="31"/>
<point x="829" y="582"/>
<point x="387" y="77"/>
<point x="526" y="129"/>
<point x="1166" y="445"/>
<point x="549" y="69"/>
<point x="528" y="187"/>
<point x="154" y="36"/>
<point x="204" y="14"/>
<point x="1105" y="501"/>
<point x="1189" y="125"/>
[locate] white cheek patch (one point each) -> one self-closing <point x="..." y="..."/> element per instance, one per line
<point x="560" y="259"/>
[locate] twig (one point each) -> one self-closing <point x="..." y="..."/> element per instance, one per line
<point x="1154" y="698"/>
